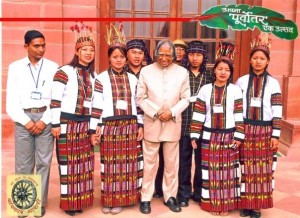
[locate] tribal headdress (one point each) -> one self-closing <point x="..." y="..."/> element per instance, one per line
<point x="83" y="35"/>
<point x="261" y="42"/>
<point x="225" y="51"/>
<point x="115" y="36"/>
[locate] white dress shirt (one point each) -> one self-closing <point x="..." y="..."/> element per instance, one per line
<point x="25" y="83"/>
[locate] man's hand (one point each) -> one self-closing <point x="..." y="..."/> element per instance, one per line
<point x="194" y="144"/>
<point x="164" y="115"/>
<point x="140" y="134"/>
<point x="38" y="128"/>
<point x="30" y="126"/>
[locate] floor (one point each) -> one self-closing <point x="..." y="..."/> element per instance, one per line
<point x="286" y="194"/>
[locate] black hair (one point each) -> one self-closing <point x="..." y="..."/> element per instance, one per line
<point x="121" y="48"/>
<point x="32" y="34"/>
<point x="262" y="50"/>
<point x="230" y="64"/>
<point x="75" y="62"/>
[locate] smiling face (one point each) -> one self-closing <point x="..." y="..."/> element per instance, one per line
<point x="86" y="55"/>
<point x="165" y="56"/>
<point x="259" y="61"/>
<point x="36" y="49"/>
<point x="222" y="72"/>
<point x="117" y="60"/>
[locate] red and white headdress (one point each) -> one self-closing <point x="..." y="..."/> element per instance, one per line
<point x="83" y="35"/>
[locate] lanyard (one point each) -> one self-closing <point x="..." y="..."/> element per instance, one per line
<point x="262" y="83"/>
<point x="214" y="95"/>
<point x="36" y="82"/>
<point x="117" y="86"/>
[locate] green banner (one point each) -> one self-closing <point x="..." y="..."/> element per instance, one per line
<point x="244" y="17"/>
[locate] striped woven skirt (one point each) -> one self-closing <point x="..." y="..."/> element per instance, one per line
<point x="121" y="163"/>
<point x="258" y="163"/>
<point x="220" y="172"/>
<point x="75" y="156"/>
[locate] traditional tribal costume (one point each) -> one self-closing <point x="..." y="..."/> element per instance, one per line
<point x="220" y="162"/>
<point x="262" y="103"/>
<point x="262" y="123"/>
<point x="121" y="153"/>
<point x="71" y="110"/>
<point x="75" y="154"/>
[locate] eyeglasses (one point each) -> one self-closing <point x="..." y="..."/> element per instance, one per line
<point x="179" y="49"/>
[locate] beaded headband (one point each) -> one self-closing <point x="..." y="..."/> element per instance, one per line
<point x="83" y="35"/>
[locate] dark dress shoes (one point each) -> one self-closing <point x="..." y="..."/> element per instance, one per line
<point x="255" y="214"/>
<point x="157" y="195"/>
<point x="145" y="207"/>
<point x="183" y="203"/>
<point x="70" y="212"/>
<point x="245" y="213"/>
<point x="173" y="205"/>
<point x="79" y="211"/>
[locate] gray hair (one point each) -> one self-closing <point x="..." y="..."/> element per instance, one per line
<point x="162" y="42"/>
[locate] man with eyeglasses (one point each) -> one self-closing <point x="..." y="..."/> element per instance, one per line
<point x="180" y="48"/>
<point x="163" y="93"/>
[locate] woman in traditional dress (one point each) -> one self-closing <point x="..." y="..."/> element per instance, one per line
<point x="218" y="118"/>
<point x="117" y="120"/>
<point x="71" y="109"/>
<point x="262" y="116"/>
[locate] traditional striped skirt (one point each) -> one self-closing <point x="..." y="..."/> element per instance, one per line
<point x="75" y="157"/>
<point x="258" y="163"/>
<point x="220" y="172"/>
<point x="121" y="163"/>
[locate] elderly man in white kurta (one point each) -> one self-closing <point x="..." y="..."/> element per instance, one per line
<point x="163" y="93"/>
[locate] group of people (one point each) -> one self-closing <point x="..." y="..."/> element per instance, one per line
<point x="144" y="113"/>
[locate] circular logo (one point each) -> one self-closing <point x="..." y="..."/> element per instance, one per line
<point x="24" y="194"/>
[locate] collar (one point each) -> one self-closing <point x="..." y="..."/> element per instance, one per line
<point x="115" y="72"/>
<point x="27" y="62"/>
<point x="260" y="75"/>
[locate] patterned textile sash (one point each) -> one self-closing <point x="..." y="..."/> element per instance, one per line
<point x="75" y="157"/>
<point x="220" y="173"/>
<point x="258" y="163"/>
<point x="121" y="163"/>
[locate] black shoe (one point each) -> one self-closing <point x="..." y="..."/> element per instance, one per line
<point x="196" y="199"/>
<point x="70" y="212"/>
<point x="173" y="205"/>
<point x="157" y="195"/>
<point x="245" y="212"/>
<point x="255" y="214"/>
<point x="43" y="211"/>
<point x="183" y="203"/>
<point x="79" y="211"/>
<point x="145" y="207"/>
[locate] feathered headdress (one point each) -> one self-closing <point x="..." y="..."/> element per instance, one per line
<point x="261" y="42"/>
<point x="83" y="35"/>
<point x="226" y="51"/>
<point x="115" y="35"/>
